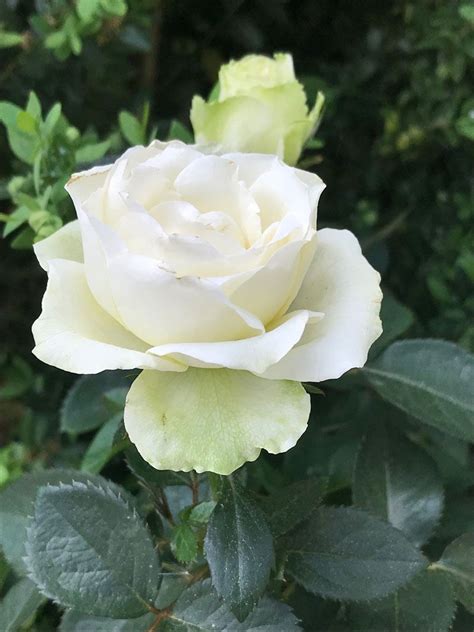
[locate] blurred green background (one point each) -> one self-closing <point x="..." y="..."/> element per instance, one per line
<point x="395" y="145"/>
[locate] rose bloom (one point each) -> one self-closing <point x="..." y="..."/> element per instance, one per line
<point x="207" y="272"/>
<point x="259" y="105"/>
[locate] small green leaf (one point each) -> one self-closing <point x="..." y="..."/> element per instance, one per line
<point x="26" y="122"/>
<point x="466" y="11"/>
<point x="289" y="506"/>
<point x="239" y="549"/>
<point x="178" y="131"/>
<point x="458" y="562"/>
<point x="19" y="605"/>
<point x="55" y="40"/>
<point x="8" y="39"/>
<point x="87" y="9"/>
<point x="88" y="549"/>
<point x="344" y="553"/>
<point x="201" y="513"/>
<point x="131" y="128"/>
<point x="184" y="544"/>
<point x="398" y="481"/>
<point x="86" y="406"/>
<point x="24" y="240"/>
<point x="92" y="152"/>
<point x="430" y="380"/>
<point x="33" y="106"/>
<point x="52" y="119"/>
<point x="102" y="448"/>
<point x="425" y="605"/>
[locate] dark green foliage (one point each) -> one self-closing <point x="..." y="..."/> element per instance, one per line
<point x="425" y="605"/>
<point x="347" y="554"/>
<point x="88" y="549"/>
<point x="396" y="480"/>
<point x="239" y="549"/>
<point x="431" y="380"/>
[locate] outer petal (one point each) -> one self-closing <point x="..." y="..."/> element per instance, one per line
<point x="252" y="354"/>
<point x="65" y="243"/>
<point x="341" y="284"/>
<point x="237" y="124"/>
<point x="212" y="419"/>
<point x="73" y="333"/>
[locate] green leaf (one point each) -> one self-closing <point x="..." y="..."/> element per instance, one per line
<point x="92" y="152"/>
<point x="52" y="119"/>
<point x="458" y="562"/>
<point x="33" y="107"/>
<point x="289" y="506"/>
<point x="86" y="406"/>
<point x="74" y="621"/>
<point x="184" y="544"/>
<point x="26" y="123"/>
<point x="19" y="605"/>
<point x="88" y="549"/>
<point x="344" y="553"/>
<point x="239" y="549"/>
<point x="178" y="131"/>
<point x="131" y="128"/>
<point x="102" y="448"/>
<point x="16" y="508"/>
<point x="201" y="513"/>
<point x="466" y="11"/>
<point x="431" y="380"/>
<point x="10" y="38"/>
<point x="398" y="481"/>
<point x="87" y="9"/>
<point x="424" y="605"/>
<point x="396" y="320"/>
<point x="24" y="240"/>
<point x="200" y="610"/>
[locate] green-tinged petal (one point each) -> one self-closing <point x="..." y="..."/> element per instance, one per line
<point x="253" y="71"/>
<point x="75" y="334"/>
<point x="65" y="243"/>
<point x="213" y="419"/>
<point x="238" y="124"/>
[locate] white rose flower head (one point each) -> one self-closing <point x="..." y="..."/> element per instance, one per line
<point x="207" y="272"/>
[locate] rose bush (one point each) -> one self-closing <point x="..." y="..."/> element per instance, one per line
<point x="258" y="105"/>
<point x="207" y="272"/>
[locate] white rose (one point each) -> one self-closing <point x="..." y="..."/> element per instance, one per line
<point x="180" y="259"/>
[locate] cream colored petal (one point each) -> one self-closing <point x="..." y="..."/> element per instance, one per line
<point x="280" y="192"/>
<point x="269" y="290"/>
<point x="212" y="419"/>
<point x="159" y="307"/>
<point x="73" y="333"/>
<point x="211" y="184"/>
<point x="341" y="284"/>
<point x="251" y="354"/>
<point x="65" y="243"/>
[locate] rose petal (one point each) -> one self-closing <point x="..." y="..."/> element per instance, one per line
<point x="343" y="285"/>
<point x="212" y="419"/>
<point x="65" y="243"/>
<point x="252" y="354"/>
<point x="73" y="333"/>
<point x="159" y="308"/>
